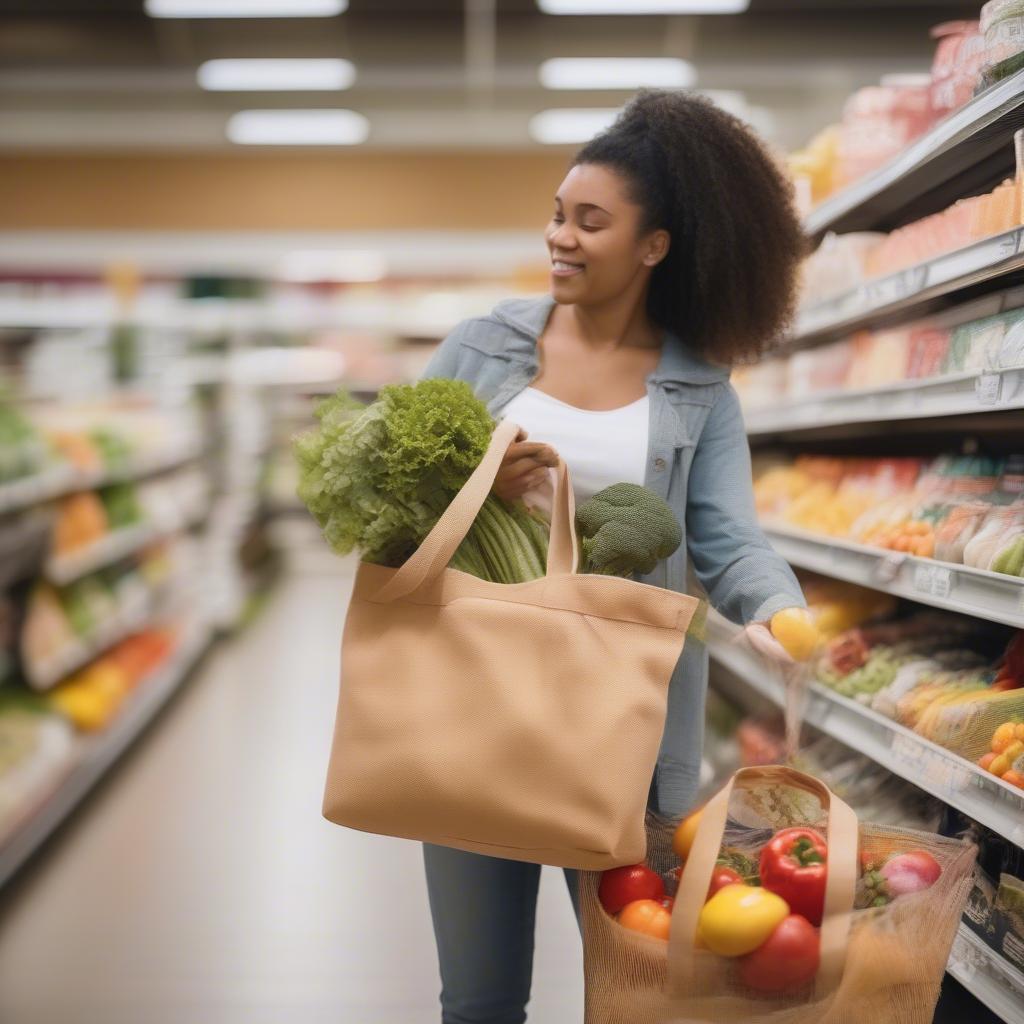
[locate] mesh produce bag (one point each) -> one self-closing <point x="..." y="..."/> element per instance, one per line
<point x="880" y="964"/>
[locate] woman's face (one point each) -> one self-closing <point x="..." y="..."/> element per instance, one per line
<point x="593" y="237"/>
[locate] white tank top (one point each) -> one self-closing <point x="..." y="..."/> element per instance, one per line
<point x="600" y="448"/>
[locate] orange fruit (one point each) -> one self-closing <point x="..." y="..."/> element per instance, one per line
<point x="1000" y="765"/>
<point x="986" y="759"/>
<point x="646" y="916"/>
<point x="794" y="628"/>
<point x="1014" y="750"/>
<point x="1004" y="736"/>
<point x="1014" y="778"/>
<point x="1018" y="730"/>
<point x="685" y="834"/>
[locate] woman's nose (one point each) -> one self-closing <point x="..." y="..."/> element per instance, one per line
<point x="562" y="239"/>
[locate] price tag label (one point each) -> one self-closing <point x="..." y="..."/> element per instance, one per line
<point x="987" y="387"/>
<point x="942" y="581"/>
<point x="888" y="568"/>
<point x="923" y="579"/>
<point x="929" y="768"/>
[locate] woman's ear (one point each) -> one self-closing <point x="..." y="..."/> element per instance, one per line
<point x="657" y="248"/>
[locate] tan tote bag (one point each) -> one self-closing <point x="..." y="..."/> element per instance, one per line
<point x="516" y="720"/>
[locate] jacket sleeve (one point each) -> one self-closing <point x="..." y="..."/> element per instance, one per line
<point x="445" y="360"/>
<point x="744" y="577"/>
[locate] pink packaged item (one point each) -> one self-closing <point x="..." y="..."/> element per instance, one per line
<point x="956" y="69"/>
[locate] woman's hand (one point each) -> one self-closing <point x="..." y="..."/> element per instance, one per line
<point x="790" y="637"/>
<point x="759" y="636"/>
<point x="524" y="467"/>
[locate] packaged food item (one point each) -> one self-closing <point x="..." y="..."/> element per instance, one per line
<point x="880" y="121"/>
<point x="956" y="69"/>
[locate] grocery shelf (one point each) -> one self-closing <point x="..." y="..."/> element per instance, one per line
<point x="912" y="290"/>
<point x="958" y="156"/>
<point x="947" y="776"/>
<point x="61" y="480"/>
<point x="952" y="394"/>
<point x="958" y="588"/>
<point x="136" y="614"/>
<point x="988" y="976"/>
<point x="95" y="754"/>
<point x="118" y="544"/>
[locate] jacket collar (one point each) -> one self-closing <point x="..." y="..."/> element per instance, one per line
<point x="529" y="316"/>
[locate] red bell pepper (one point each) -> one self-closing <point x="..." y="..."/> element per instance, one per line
<point x="794" y="866"/>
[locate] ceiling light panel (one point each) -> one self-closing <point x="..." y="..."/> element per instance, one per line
<point x="298" y="128"/>
<point x="566" y="126"/>
<point x="643" y="6"/>
<point x="616" y="73"/>
<point x="273" y="75"/>
<point x="245" y="8"/>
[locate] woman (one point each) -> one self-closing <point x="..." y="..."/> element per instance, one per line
<point x="674" y="252"/>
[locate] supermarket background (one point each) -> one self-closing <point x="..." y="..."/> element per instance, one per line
<point x="185" y="263"/>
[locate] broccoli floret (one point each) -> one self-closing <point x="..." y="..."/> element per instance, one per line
<point x="626" y="529"/>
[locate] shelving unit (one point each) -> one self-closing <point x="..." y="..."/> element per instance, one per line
<point x="95" y="754"/>
<point x="958" y="588"/>
<point x="951" y="276"/>
<point x="953" y="394"/>
<point x="964" y="152"/>
<point x="998" y="984"/>
<point x="928" y="766"/>
<point x="969" y="152"/>
<point x="63" y="480"/>
<point x="118" y="544"/>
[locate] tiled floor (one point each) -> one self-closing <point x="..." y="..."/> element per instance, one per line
<point x="200" y="884"/>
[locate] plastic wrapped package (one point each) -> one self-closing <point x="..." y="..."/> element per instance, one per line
<point x="1009" y="555"/>
<point x="879" y="358"/>
<point x="761" y="385"/>
<point x="814" y="370"/>
<point x="879" y="121"/>
<point x="927" y="350"/>
<point x="1011" y="349"/>
<point x="959" y="528"/>
<point x="1000" y="525"/>
<point x="1002" y="23"/>
<point x="838" y="264"/>
<point x="956" y="69"/>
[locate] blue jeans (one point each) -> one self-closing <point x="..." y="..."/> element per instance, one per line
<point x="484" y="910"/>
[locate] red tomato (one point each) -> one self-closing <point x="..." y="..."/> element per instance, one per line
<point x="787" y="959"/>
<point x="620" y="886"/>
<point x="648" y="917"/>
<point x="720" y="878"/>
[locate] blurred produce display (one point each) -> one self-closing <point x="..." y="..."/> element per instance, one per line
<point x="968" y="510"/>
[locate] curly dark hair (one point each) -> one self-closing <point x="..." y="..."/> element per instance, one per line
<point x="727" y="287"/>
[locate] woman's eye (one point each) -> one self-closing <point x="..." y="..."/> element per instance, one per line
<point x="557" y="220"/>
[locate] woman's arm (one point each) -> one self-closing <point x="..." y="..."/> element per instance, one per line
<point x="744" y="578"/>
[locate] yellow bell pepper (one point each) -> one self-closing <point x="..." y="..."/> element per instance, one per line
<point x="739" y="918"/>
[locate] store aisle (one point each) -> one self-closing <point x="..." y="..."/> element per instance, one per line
<point x="200" y="885"/>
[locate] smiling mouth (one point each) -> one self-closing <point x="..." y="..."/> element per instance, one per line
<point x="564" y="267"/>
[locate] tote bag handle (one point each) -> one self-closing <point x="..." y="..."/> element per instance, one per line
<point x="843" y="836"/>
<point x="429" y="560"/>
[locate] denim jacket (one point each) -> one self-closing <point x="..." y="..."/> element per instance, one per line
<point x="698" y="460"/>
